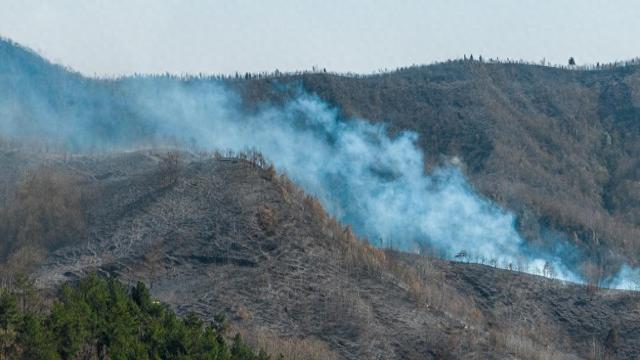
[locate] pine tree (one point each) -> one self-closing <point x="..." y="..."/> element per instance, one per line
<point x="100" y="318"/>
<point x="8" y="320"/>
<point x="35" y="340"/>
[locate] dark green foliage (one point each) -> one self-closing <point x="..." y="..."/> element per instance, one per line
<point x="100" y="319"/>
<point x="36" y="339"/>
<point x="8" y="323"/>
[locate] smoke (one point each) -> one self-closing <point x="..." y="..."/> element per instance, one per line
<point x="364" y="177"/>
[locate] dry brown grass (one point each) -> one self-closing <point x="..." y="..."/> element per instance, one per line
<point x="523" y="346"/>
<point x="22" y="261"/>
<point x="169" y="168"/>
<point x="346" y="309"/>
<point x="45" y="211"/>
<point x="267" y="219"/>
<point x="423" y="283"/>
<point x="287" y="348"/>
<point x="243" y="312"/>
<point x="426" y="286"/>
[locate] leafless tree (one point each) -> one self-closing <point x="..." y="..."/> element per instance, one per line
<point x="170" y="168"/>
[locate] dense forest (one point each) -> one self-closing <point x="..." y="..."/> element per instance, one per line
<point x="99" y="318"/>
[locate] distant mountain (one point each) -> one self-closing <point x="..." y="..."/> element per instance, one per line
<point x="558" y="147"/>
<point x="38" y="99"/>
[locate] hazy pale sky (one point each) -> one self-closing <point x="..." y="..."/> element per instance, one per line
<point x="189" y="36"/>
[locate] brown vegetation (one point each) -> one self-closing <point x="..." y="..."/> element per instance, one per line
<point x="267" y="219"/>
<point x="285" y="348"/>
<point x="46" y="211"/>
<point x="169" y="169"/>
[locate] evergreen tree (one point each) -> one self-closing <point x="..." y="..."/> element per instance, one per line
<point x="36" y="340"/>
<point x="8" y="321"/>
<point x="101" y="319"/>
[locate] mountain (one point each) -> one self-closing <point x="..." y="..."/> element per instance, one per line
<point x="112" y="176"/>
<point x="558" y="147"/>
<point x="230" y="236"/>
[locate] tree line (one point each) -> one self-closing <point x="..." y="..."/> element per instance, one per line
<point x="276" y="74"/>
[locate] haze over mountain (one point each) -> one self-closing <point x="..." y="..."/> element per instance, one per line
<point x="512" y="165"/>
<point x="521" y="132"/>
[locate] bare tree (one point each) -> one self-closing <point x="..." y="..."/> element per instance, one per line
<point x="170" y="167"/>
<point x="548" y="270"/>
<point x="46" y="210"/>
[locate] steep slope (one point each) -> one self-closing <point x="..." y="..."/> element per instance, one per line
<point x="229" y="234"/>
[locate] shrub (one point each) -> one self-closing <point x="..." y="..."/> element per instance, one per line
<point x="45" y="211"/>
<point x="267" y="220"/>
<point x="287" y="348"/>
<point x="169" y="169"/>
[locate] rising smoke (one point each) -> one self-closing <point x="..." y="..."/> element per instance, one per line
<point x="364" y="177"/>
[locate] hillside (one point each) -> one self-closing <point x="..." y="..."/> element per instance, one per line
<point x="123" y="178"/>
<point x="230" y="236"/>
<point x="557" y="147"/>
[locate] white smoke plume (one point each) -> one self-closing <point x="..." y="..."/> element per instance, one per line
<point x="364" y="177"/>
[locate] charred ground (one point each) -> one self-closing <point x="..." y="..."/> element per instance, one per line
<point x="231" y="236"/>
<point x="558" y="147"/>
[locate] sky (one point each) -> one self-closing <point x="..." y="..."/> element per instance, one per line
<point x="112" y="37"/>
